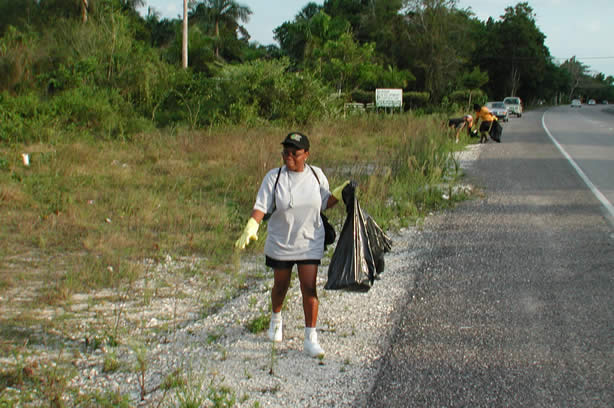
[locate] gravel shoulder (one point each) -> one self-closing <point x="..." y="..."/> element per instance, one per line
<point x="220" y="353"/>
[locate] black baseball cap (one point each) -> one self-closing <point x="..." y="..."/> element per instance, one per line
<point x="297" y="140"/>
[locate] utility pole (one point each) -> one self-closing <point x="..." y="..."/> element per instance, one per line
<point x="184" y="52"/>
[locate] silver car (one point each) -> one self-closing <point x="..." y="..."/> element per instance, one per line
<point x="499" y="110"/>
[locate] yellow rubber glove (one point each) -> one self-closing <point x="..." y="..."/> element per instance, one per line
<point x="337" y="191"/>
<point x="250" y="233"/>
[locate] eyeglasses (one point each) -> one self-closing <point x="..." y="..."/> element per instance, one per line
<point x="293" y="153"/>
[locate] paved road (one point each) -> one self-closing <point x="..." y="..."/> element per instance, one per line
<point x="513" y="304"/>
<point x="586" y="136"/>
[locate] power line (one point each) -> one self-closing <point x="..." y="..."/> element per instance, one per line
<point x="581" y="58"/>
<point x="538" y="57"/>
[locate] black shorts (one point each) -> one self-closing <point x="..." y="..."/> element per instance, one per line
<point x="277" y="264"/>
<point x="485" y="126"/>
<point x="456" y="123"/>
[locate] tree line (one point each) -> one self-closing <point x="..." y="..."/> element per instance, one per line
<point x="100" y="68"/>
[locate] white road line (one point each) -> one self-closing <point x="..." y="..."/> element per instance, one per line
<point x="603" y="199"/>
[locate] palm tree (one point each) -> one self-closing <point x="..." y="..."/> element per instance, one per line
<point x="132" y="4"/>
<point x="86" y="6"/>
<point x="307" y="12"/>
<point x="226" y="12"/>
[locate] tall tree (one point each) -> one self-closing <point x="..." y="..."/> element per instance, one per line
<point x="292" y="35"/>
<point x="85" y="7"/>
<point x="345" y="64"/>
<point x="577" y="73"/>
<point x="351" y="10"/>
<point x="123" y="5"/>
<point x="224" y="13"/>
<point x="436" y="37"/>
<point x="555" y="84"/>
<point x="514" y="54"/>
<point x="525" y="43"/>
<point x="310" y="30"/>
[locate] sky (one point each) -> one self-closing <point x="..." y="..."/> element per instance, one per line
<point x="580" y="28"/>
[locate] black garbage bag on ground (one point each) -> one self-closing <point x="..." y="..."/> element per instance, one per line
<point x="359" y="255"/>
<point x="496" y="131"/>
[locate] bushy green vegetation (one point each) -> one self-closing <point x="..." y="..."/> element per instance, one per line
<point x="106" y="72"/>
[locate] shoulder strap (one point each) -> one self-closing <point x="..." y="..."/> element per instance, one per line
<point x="314" y="173"/>
<point x="268" y="215"/>
<point x="279" y="172"/>
<point x="276" y="181"/>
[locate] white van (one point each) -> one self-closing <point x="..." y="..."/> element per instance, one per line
<point x="514" y="105"/>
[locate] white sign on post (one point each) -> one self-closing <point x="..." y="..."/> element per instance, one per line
<point x="388" y="98"/>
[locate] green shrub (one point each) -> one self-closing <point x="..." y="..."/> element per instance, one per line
<point x="266" y="90"/>
<point x="29" y="118"/>
<point x="101" y="112"/>
<point x="111" y="363"/>
<point x="362" y="96"/>
<point x="413" y="100"/>
<point x="467" y="97"/>
<point x="23" y="118"/>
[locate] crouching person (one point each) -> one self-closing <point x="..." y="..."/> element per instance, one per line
<point x="458" y="124"/>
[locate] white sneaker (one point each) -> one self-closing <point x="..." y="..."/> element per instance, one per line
<point x="275" y="333"/>
<point x="312" y="347"/>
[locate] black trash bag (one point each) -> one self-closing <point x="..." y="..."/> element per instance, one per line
<point x="378" y="242"/>
<point x="496" y="131"/>
<point x="359" y="255"/>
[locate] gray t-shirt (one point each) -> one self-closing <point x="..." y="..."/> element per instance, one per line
<point x="295" y="230"/>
